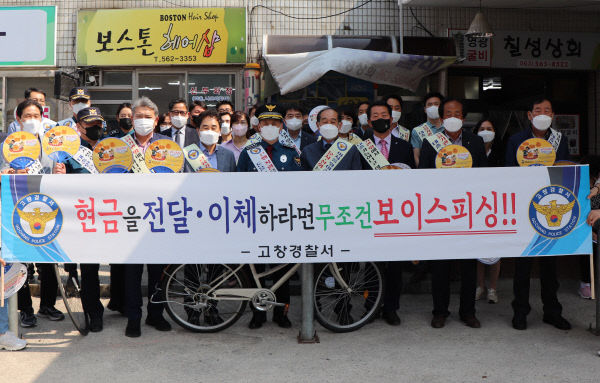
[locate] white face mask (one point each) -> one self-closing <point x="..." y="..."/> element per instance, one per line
<point x="487" y="135"/>
<point x="396" y="115"/>
<point x="328" y="131"/>
<point x="269" y="132"/>
<point x="143" y="126"/>
<point x="453" y="124"/>
<point x="346" y="127"/>
<point x="542" y="122"/>
<point x="254" y="121"/>
<point x="363" y="119"/>
<point x="433" y="112"/>
<point x="179" y="121"/>
<point x="293" y="124"/>
<point x="32" y="126"/>
<point x="225" y="128"/>
<point x="209" y="137"/>
<point x="78" y="107"/>
<point x="239" y="129"/>
<point x="165" y="128"/>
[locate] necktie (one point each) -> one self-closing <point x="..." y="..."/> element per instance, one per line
<point x="270" y="151"/>
<point x="178" y="138"/>
<point x="384" y="149"/>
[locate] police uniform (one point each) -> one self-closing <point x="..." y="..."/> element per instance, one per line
<point x="283" y="157"/>
<point x="77" y="93"/>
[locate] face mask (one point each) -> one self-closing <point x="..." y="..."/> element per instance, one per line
<point x="178" y="121"/>
<point x="225" y="128"/>
<point x="542" y="122"/>
<point x="269" y="132"/>
<point x="381" y="125"/>
<point x="293" y="124"/>
<point x="125" y="124"/>
<point x="453" y="124"/>
<point x="254" y="121"/>
<point x="79" y="106"/>
<point x="32" y="126"/>
<point x="94" y="132"/>
<point x="433" y="112"/>
<point x="196" y="119"/>
<point x="209" y="137"/>
<point x="363" y="119"/>
<point x="143" y="126"/>
<point x="328" y="131"/>
<point x="396" y="115"/>
<point x="346" y="127"/>
<point x="164" y="128"/>
<point x="487" y="135"/>
<point x="239" y="130"/>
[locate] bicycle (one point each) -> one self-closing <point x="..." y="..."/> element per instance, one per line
<point x="70" y="290"/>
<point x="210" y="298"/>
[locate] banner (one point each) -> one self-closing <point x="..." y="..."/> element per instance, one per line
<point x="187" y="36"/>
<point x="349" y="216"/>
<point x="27" y="36"/>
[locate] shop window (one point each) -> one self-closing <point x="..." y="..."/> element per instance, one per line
<point x="162" y="88"/>
<point x="212" y="89"/>
<point x="15" y="89"/>
<point x="463" y="87"/>
<point x="110" y="78"/>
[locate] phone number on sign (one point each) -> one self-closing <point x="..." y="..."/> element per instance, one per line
<point x="163" y="59"/>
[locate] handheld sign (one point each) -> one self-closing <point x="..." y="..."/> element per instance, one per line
<point x="60" y="143"/>
<point x="15" y="275"/>
<point x="112" y="155"/>
<point x="164" y="156"/>
<point x="453" y="156"/>
<point x="396" y="166"/>
<point x="536" y="152"/>
<point x="21" y="149"/>
<point x="312" y="117"/>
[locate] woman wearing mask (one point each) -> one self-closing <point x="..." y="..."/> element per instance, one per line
<point x="348" y="117"/>
<point x="225" y="121"/>
<point x="124" y="115"/>
<point x="485" y="129"/>
<point x="239" y="129"/>
<point x="164" y="123"/>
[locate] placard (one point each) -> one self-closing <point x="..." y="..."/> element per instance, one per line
<point x="112" y="155"/>
<point x="164" y="156"/>
<point x="21" y="149"/>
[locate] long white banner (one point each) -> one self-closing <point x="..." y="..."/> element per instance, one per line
<point x="296" y="216"/>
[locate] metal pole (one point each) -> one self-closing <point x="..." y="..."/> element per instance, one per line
<point x="401" y="27"/>
<point x="13" y="315"/>
<point x="307" y="331"/>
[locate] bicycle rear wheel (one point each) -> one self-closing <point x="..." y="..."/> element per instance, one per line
<point x="185" y="290"/>
<point x="347" y="295"/>
<point x="70" y="290"/>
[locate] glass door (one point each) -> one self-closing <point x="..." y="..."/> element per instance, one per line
<point x="161" y="88"/>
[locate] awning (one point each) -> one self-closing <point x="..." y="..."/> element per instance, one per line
<point x="298" y="70"/>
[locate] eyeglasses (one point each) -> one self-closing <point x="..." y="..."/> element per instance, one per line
<point x="178" y="112"/>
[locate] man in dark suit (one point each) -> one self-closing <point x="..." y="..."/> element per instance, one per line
<point x="452" y="112"/>
<point x="329" y="124"/>
<point x="293" y="123"/>
<point x="180" y="131"/>
<point x="396" y="151"/>
<point x="209" y="131"/>
<point x="362" y="129"/>
<point x="540" y="115"/>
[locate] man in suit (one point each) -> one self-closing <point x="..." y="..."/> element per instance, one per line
<point x="329" y="124"/>
<point x="145" y="119"/>
<point x="209" y="131"/>
<point x="394" y="150"/>
<point x="293" y="123"/>
<point x="452" y="112"/>
<point x="540" y="115"/>
<point x="180" y="131"/>
<point x="362" y="129"/>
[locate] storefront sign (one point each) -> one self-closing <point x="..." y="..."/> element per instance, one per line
<point x="546" y="50"/>
<point x="27" y="36"/>
<point x="477" y="52"/>
<point x="352" y="216"/>
<point x="175" y="36"/>
<point x="213" y="94"/>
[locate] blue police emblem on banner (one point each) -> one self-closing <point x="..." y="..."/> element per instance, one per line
<point x="554" y="211"/>
<point x="342" y="145"/>
<point x="37" y="219"/>
<point x="193" y="154"/>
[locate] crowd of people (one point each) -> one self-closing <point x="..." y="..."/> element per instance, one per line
<point x="225" y="137"/>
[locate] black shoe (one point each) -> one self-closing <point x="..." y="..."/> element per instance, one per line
<point x="115" y="307"/>
<point x="212" y="318"/>
<point x="133" y="329"/>
<point x="558" y="321"/>
<point x="519" y="322"/>
<point x="96" y="324"/>
<point x="258" y="318"/>
<point x="51" y="313"/>
<point x="27" y="319"/>
<point x="471" y="321"/>
<point x="391" y="318"/>
<point x="438" y="321"/>
<point x="159" y="323"/>
<point x="344" y="318"/>
<point x="282" y="321"/>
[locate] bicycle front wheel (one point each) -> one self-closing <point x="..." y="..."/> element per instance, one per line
<point x="347" y="295"/>
<point x="70" y="290"/>
<point x="189" y="303"/>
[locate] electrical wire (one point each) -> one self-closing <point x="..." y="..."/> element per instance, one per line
<point x="420" y="24"/>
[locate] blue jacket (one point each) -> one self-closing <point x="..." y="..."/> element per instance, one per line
<point x="283" y="157"/>
<point x="562" y="154"/>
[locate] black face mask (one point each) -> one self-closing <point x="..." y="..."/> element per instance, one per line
<point x="381" y="126"/>
<point x="94" y="132"/>
<point x="197" y="121"/>
<point x="125" y="124"/>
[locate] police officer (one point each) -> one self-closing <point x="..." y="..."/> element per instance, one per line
<point x="283" y="158"/>
<point x="540" y="116"/>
